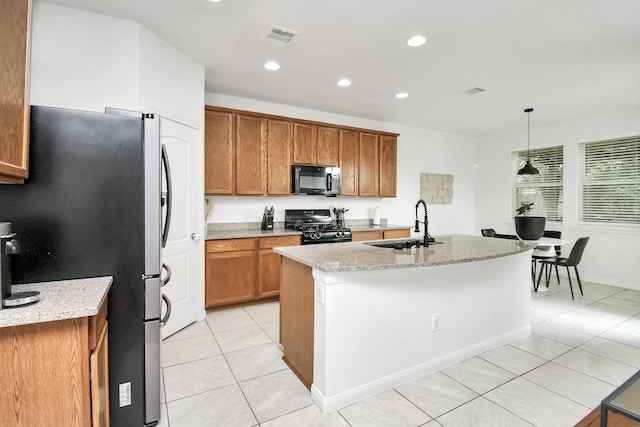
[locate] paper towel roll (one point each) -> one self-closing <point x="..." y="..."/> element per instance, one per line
<point x="376" y="216"/>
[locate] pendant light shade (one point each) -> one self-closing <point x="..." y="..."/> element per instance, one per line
<point x="528" y="168"/>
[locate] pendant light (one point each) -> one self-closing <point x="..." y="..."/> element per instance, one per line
<point x="528" y="168"/>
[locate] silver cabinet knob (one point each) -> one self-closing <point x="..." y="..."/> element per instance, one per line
<point x="195" y="236"/>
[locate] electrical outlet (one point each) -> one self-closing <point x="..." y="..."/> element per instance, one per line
<point x="435" y="322"/>
<point x="124" y="390"/>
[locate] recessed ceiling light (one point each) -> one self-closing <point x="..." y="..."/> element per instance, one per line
<point x="416" y="41"/>
<point x="215" y="1"/>
<point x="402" y="95"/>
<point x="272" y="66"/>
<point x="344" y="82"/>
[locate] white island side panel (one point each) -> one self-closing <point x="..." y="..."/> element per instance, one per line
<point x="372" y="329"/>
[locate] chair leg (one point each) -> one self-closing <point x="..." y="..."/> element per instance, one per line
<point x="570" y="285"/>
<point x="579" y="282"/>
<point x="557" y="275"/>
<point x="537" y="284"/>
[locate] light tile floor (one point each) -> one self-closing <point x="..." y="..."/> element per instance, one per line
<point x="227" y="371"/>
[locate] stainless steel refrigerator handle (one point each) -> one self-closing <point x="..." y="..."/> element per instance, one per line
<point x="166" y="279"/>
<point x="167" y="315"/>
<point x="167" y="172"/>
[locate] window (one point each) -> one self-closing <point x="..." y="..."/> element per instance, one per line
<point x="609" y="181"/>
<point x="545" y="189"/>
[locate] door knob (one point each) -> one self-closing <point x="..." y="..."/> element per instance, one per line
<point x="195" y="236"/>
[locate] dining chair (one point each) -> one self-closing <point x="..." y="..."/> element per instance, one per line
<point x="558" y="249"/>
<point x="572" y="261"/>
<point x="488" y="232"/>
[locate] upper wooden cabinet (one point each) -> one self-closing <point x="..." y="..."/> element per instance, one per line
<point x="14" y="108"/>
<point x="219" y="176"/>
<point x="368" y="173"/>
<point x="327" y="146"/>
<point x="279" y="136"/>
<point x="250" y="155"/>
<point x="304" y="143"/>
<point x="348" y="161"/>
<point x="388" y="165"/>
<point x="315" y="145"/>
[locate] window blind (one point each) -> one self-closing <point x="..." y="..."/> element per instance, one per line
<point x="543" y="190"/>
<point x="609" y="181"/>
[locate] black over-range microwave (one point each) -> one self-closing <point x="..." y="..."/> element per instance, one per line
<point x="319" y="180"/>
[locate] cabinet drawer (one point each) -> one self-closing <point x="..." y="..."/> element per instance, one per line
<point x="396" y="234"/>
<point x="366" y="235"/>
<point x="230" y="245"/>
<point x="272" y="242"/>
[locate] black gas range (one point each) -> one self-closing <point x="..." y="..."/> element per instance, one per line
<point x="316" y="226"/>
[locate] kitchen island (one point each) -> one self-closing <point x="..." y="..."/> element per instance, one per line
<point x="356" y="320"/>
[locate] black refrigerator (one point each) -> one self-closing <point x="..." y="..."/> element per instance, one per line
<point x="94" y="205"/>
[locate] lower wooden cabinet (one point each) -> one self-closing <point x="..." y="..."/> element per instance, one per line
<point x="243" y="270"/>
<point x="55" y="373"/>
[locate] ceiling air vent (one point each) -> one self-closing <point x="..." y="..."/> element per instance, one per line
<point x="279" y="36"/>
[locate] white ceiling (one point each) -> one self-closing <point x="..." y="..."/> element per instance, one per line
<point x="565" y="58"/>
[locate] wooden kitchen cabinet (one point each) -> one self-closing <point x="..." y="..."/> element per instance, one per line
<point x="15" y="17"/>
<point x="250" y="155"/>
<point x="243" y="270"/>
<point x="388" y="165"/>
<point x="368" y="174"/>
<point x="279" y="137"/>
<point x="219" y="170"/>
<point x="315" y="145"/>
<point x="396" y="234"/>
<point x="230" y="271"/>
<point x="348" y="162"/>
<point x="304" y="143"/>
<point x="269" y="264"/>
<point x="327" y="146"/>
<point x="56" y="373"/>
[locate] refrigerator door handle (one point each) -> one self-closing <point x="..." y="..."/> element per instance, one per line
<point x="166" y="279"/>
<point x="167" y="315"/>
<point x="167" y="197"/>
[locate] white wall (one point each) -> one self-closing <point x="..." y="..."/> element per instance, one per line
<point x="611" y="255"/>
<point x="419" y="150"/>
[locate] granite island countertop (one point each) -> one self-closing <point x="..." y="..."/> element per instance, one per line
<point x="359" y="256"/>
<point x="59" y="300"/>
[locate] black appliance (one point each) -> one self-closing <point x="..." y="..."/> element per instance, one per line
<point x="267" y="218"/>
<point x="92" y="206"/>
<point x="315" y="180"/>
<point x="316" y="226"/>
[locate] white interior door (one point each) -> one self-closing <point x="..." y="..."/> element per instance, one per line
<point x="184" y="245"/>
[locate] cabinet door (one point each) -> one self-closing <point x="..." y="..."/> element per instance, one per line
<point x="250" y="155"/>
<point x="218" y="153"/>
<point x="279" y="137"/>
<point x="368" y="184"/>
<point x="229" y="277"/>
<point x="397" y="234"/>
<point x="269" y="264"/>
<point x="348" y="147"/>
<point x="14" y="111"/>
<point x="388" y="165"/>
<point x="327" y="146"/>
<point x="304" y="143"/>
<point x="99" y="360"/>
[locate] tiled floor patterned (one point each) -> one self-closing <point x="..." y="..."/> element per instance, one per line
<point x="227" y="371"/>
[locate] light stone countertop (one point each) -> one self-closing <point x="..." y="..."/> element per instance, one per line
<point x="358" y="256"/>
<point x="59" y="300"/>
<point x="252" y="230"/>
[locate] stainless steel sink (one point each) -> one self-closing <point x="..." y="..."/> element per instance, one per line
<point x="400" y="244"/>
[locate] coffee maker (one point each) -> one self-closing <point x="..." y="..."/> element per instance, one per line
<point x="9" y="246"/>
